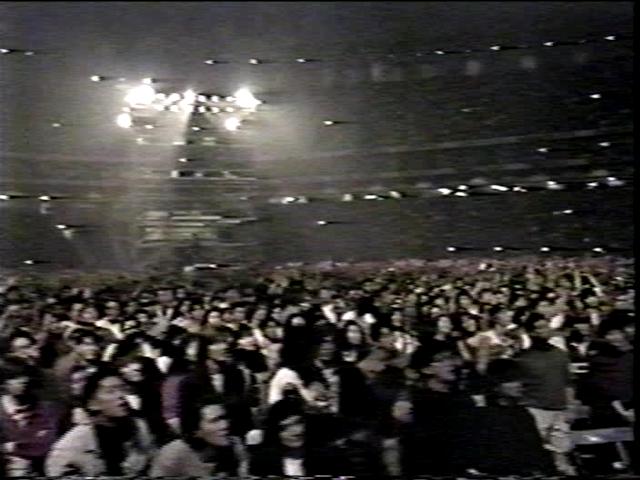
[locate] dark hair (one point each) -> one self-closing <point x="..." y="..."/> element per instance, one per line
<point x="281" y="410"/>
<point x="93" y="382"/>
<point x="78" y="335"/>
<point x="191" y="415"/>
<point x="20" y="333"/>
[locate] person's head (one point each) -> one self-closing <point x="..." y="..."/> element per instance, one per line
<point x="239" y="313"/>
<point x="112" y="309"/>
<point x="444" y="325"/>
<point x="612" y="331"/>
<point x="354" y="334"/>
<point x="164" y="296"/>
<point x="538" y="327"/>
<point x="245" y="339"/>
<point x="18" y="380"/>
<point x="285" y="424"/>
<point x="469" y="324"/>
<point x="89" y="315"/>
<point x="85" y="343"/>
<point x="219" y="350"/>
<point x="197" y="312"/>
<point x="23" y="345"/>
<point x="78" y="379"/>
<point x="206" y="423"/>
<point x="326" y="350"/>
<point x="138" y="369"/>
<point x="272" y="330"/>
<point x="104" y="394"/>
<point x="443" y="367"/>
<point x="506" y="377"/>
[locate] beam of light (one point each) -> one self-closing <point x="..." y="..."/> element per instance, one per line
<point x="142" y="95"/>
<point x="245" y="99"/>
<point x="232" y="123"/>
<point x="124" y="120"/>
<point x="189" y="97"/>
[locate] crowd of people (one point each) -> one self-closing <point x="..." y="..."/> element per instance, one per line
<point x="469" y="367"/>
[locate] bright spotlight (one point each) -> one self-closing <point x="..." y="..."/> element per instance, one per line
<point x="232" y="123"/>
<point x="148" y="81"/>
<point x="142" y="95"/>
<point x="124" y="120"/>
<point x="189" y="97"/>
<point x="96" y="78"/>
<point x="245" y="99"/>
<point x="214" y="98"/>
<point x="44" y="198"/>
<point x="5" y="50"/>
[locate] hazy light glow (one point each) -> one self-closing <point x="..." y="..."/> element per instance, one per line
<point x="148" y="81"/>
<point x="245" y="99"/>
<point x="174" y="97"/>
<point x="142" y="95"/>
<point x="189" y="97"/>
<point x="124" y="120"/>
<point x="232" y="123"/>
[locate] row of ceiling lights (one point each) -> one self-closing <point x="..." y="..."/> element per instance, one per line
<point x="492" y="48"/>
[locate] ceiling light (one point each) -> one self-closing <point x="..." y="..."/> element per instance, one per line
<point x="461" y="194"/>
<point x="232" y="123"/>
<point x="347" y="197"/>
<point x="543" y="150"/>
<point x="610" y="38"/>
<point x="498" y="249"/>
<point x="549" y="44"/>
<point x="604" y="144"/>
<point x="61" y="227"/>
<point x="245" y="99"/>
<point x="595" y="96"/>
<point x="598" y="250"/>
<point x="301" y="60"/>
<point x="56" y="125"/>
<point x="174" y="97"/>
<point x="229" y="109"/>
<point x="5" y="50"/>
<point x="148" y="81"/>
<point x="210" y="62"/>
<point x="439" y="52"/>
<point x="142" y="95"/>
<point x="445" y="191"/>
<point x="451" y="249"/>
<point x="214" y="98"/>
<point x="215" y="109"/>
<point x="196" y="129"/>
<point x="5" y="197"/>
<point x="496" y="47"/>
<point x="322" y="222"/>
<point x="545" y="249"/>
<point x="28" y="262"/>
<point x="124" y="120"/>
<point x="29" y="53"/>
<point x="395" y="194"/>
<point x="254" y="61"/>
<point x="499" y="188"/>
<point x="44" y="198"/>
<point x="201" y="98"/>
<point x="328" y="122"/>
<point x="96" y="78"/>
<point x="519" y="189"/>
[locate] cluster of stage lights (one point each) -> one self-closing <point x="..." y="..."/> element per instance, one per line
<point x="145" y="96"/>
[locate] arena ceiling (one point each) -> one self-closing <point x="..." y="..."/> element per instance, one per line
<point x="455" y="124"/>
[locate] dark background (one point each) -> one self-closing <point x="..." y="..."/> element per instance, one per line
<point x="409" y="121"/>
